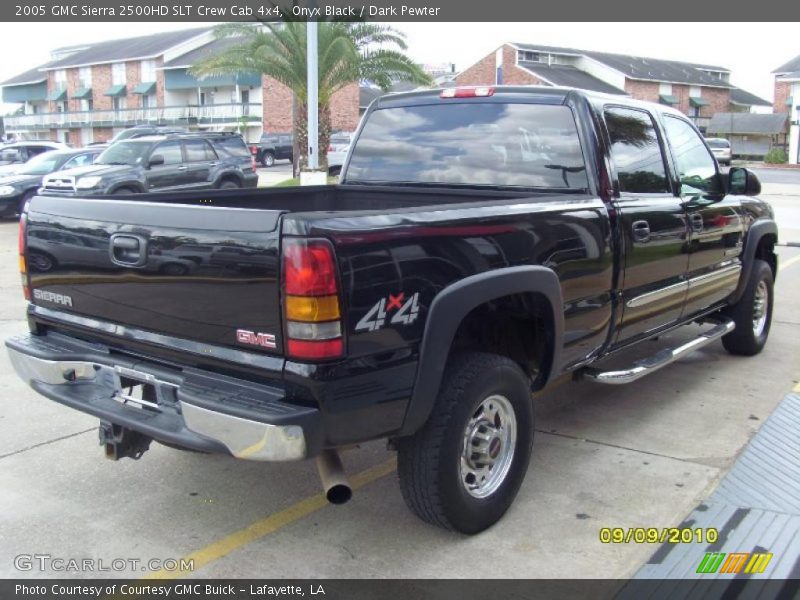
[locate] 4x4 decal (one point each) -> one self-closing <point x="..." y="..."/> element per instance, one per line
<point x="407" y="312"/>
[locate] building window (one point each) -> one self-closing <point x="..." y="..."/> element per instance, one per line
<point x="118" y="74"/>
<point x="149" y="101"/>
<point x="147" y="71"/>
<point x="60" y="77"/>
<point x="85" y="77"/>
<point x="528" y="56"/>
<point x="664" y="89"/>
<point x="694" y="91"/>
<point x="86" y="105"/>
<point x="118" y="103"/>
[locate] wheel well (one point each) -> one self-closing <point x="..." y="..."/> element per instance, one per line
<point x="133" y="188"/>
<point x="766" y="251"/>
<point x="230" y="177"/>
<point x="519" y="326"/>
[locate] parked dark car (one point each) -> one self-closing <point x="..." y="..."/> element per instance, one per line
<point x="483" y="244"/>
<point x="18" y="153"/>
<point x="159" y="164"/>
<point x="17" y="189"/>
<point x="272" y="147"/>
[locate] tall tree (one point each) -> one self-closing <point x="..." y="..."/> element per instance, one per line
<point x="348" y="52"/>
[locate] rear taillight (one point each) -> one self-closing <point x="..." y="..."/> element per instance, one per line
<point x="23" y="267"/>
<point x="311" y="300"/>
<point x="253" y="162"/>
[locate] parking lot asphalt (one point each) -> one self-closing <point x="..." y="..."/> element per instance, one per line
<point x="641" y="455"/>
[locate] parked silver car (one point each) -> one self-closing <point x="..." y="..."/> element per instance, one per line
<point x="721" y="149"/>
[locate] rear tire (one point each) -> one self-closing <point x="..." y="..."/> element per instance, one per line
<point x="462" y="470"/>
<point x="267" y="159"/>
<point x="752" y="314"/>
<point x="124" y="192"/>
<point x="229" y="184"/>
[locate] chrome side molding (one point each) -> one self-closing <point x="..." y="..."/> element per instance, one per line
<point x="661" y="359"/>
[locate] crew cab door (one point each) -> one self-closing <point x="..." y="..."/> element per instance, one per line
<point x="200" y="159"/>
<point x="716" y="229"/>
<point x="653" y="229"/>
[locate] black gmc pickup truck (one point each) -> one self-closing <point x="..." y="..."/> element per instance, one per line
<point x="483" y="243"/>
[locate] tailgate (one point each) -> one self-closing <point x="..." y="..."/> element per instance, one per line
<point x="200" y="273"/>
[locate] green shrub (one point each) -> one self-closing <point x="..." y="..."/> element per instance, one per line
<point x="776" y="156"/>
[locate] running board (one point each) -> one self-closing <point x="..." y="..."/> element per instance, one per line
<point x="660" y="359"/>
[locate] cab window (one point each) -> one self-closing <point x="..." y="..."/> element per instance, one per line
<point x="697" y="169"/>
<point x="636" y="152"/>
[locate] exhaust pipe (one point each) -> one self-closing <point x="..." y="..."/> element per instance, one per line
<point x="334" y="480"/>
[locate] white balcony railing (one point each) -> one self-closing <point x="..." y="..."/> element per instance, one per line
<point x="207" y="114"/>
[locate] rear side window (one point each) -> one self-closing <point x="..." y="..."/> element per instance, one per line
<point x="718" y="144"/>
<point x="472" y="143"/>
<point x="232" y="145"/>
<point x="636" y="152"/>
<point x="198" y="150"/>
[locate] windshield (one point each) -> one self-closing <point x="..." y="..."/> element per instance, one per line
<point x="475" y="144"/>
<point x="124" y="153"/>
<point x="42" y="164"/>
<point x="718" y="143"/>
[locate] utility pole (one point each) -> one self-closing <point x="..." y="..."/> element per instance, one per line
<point x="313" y="96"/>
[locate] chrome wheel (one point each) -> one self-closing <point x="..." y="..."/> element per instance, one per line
<point x="490" y="438"/>
<point x="760" y="308"/>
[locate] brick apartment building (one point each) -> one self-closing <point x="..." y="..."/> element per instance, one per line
<point x="90" y="92"/>
<point x="699" y="91"/>
<point x="787" y="101"/>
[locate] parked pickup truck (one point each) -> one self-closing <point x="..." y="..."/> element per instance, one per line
<point x="483" y="243"/>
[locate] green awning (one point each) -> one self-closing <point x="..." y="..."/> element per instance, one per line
<point x="116" y="90"/>
<point x="83" y="94"/>
<point x="148" y="87"/>
<point x="57" y="95"/>
<point x="698" y="102"/>
<point x="789" y="101"/>
<point x="667" y="99"/>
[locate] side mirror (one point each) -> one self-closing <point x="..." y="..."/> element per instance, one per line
<point x="743" y="182"/>
<point x="155" y="160"/>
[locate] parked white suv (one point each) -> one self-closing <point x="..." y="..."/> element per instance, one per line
<point x="721" y="149"/>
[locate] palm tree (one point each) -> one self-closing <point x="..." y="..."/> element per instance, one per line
<point x="348" y="52"/>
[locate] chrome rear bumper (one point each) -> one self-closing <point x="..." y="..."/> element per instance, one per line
<point x="199" y="410"/>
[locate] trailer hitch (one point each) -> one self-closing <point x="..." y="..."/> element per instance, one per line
<point x="121" y="442"/>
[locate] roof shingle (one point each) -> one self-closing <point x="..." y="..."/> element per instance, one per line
<point x="30" y="76"/>
<point x="569" y="76"/>
<point x="740" y="96"/>
<point x="792" y="65"/>
<point x="750" y="123"/>
<point x="126" y="49"/>
<point x="639" y="67"/>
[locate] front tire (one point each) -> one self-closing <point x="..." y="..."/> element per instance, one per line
<point x="752" y="314"/>
<point x="463" y="469"/>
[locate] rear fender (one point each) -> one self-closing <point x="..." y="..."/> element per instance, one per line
<point x="452" y="305"/>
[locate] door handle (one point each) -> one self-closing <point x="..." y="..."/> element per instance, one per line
<point x="128" y="250"/>
<point x="641" y="231"/>
<point x="182" y="168"/>
<point x="697" y="222"/>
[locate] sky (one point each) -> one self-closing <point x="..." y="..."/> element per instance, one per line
<point x="750" y="50"/>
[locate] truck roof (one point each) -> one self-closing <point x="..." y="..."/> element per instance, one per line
<point x="506" y="93"/>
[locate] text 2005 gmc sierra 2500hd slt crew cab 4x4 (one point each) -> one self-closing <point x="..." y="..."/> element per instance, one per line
<point x="482" y="243"/>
